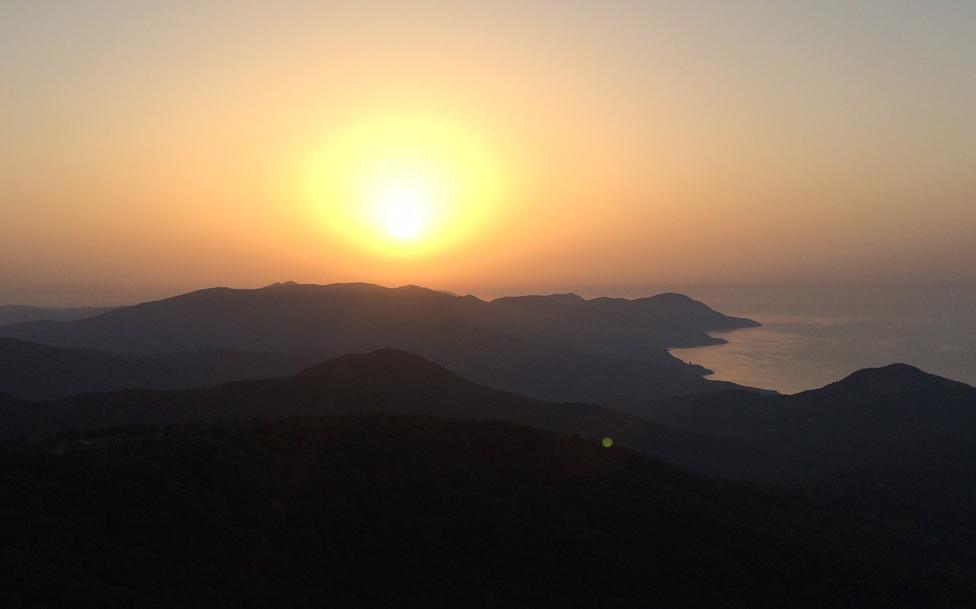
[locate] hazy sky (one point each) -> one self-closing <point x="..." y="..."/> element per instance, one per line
<point x="148" y="148"/>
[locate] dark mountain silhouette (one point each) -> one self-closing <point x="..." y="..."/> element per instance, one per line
<point x="12" y="314"/>
<point x="872" y="410"/>
<point x="388" y="511"/>
<point x="386" y="380"/>
<point x="615" y="327"/>
<point x="538" y="346"/>
<point x="894" y="444"/>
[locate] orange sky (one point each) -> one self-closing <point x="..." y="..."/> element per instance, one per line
<point x="148" y="151"/>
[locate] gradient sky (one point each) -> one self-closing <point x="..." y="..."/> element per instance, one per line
<point x="151" y="148"/>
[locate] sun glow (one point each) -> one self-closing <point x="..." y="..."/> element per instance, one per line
<point x="405" y="186"/>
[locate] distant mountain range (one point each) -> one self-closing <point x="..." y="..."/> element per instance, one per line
<point x="385" y="511"/>
<point x="12" y="314"/>
<point x="889" y="452"/>
<point x="559" y="347"/>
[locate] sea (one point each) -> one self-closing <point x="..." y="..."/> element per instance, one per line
<point x="813" y="336"/>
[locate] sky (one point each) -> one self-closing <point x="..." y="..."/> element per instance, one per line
<point x="153" y="148"/>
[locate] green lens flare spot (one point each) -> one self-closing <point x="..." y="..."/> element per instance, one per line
<point x="607" y="442"/>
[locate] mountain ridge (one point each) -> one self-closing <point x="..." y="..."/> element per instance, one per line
<point x="386" y="380"/>
<point x="555" y="352"/>
<point x="889" y="379"/>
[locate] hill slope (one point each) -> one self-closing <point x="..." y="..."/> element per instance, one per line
<point x="382" y="511"/>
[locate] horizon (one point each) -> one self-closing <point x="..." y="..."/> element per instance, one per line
<point x="130" y="297"/>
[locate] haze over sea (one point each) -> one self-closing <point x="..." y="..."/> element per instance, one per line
<point x="814" y="336"/>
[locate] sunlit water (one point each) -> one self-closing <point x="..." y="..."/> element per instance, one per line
<point x="814" y="336"/>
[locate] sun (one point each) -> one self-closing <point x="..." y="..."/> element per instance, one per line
<point x="403" y="206"/>
<point x="405" y="185"/>
<point x="406" y="199"/>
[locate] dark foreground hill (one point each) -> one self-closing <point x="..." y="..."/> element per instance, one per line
<point x="388" y="511"/>
<point x="386" y="380"/>
<point x="551" y="347"/>
<point x="871" y="416"/>
<point x="892" y="443"/>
